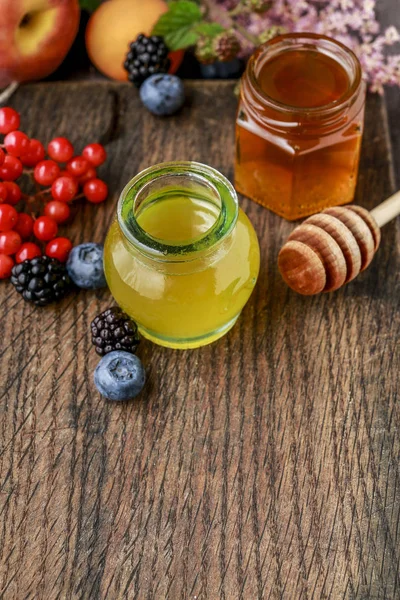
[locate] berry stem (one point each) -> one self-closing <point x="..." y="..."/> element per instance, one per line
<point x="243" y="31"/>
<point x="41" y="195"/>
<point x="37" y="186"/>
<point x="28" y="199"/>
<point x="238" y="10"/>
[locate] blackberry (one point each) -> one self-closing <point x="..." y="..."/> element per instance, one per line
<point x="114" y="330"/>
<point x="147" y="56"/>
<point x="41" y="280"/>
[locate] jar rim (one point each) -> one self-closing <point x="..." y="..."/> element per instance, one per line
<point x="155" y="248"/>
<point x="323" y="110"/>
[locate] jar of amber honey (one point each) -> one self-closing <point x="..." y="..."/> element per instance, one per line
<point x="181" y="258"/>
<point x="299" y="125"/>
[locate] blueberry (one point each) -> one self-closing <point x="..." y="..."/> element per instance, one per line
<point x="85" y="266"/>
<point x="119" y="376"/>
<point x="222" y="70"/>
<point x="162" y="94"/>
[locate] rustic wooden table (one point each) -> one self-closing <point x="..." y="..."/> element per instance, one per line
<point x="263" y="466"/>
<point x="388" y="12"/>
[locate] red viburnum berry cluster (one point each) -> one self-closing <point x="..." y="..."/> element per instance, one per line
<point x="65" y="177"/>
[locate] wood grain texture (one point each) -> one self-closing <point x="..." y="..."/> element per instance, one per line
<point x="389" y="14"/>
<point x="263" y="466"/>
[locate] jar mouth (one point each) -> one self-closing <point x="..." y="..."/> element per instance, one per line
<point x="156" y="183"/>
<point x="305" y="41"/>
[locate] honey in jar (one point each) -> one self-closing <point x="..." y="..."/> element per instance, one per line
<point x="182" y="258"/>
<point x="299" y="125"/>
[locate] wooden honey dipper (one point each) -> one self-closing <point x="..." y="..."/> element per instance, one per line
<point x="331" y="248"/>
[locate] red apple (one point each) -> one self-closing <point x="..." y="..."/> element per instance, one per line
<point x="35" y="36"/>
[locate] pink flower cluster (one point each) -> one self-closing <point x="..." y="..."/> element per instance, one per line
<point x="352" y="22"/>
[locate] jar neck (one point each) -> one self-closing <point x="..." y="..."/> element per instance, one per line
<point x="283" y="118"/>
<point x="187" y="179"/>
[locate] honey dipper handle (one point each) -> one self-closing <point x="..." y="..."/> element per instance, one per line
<point x="388" y="210"/>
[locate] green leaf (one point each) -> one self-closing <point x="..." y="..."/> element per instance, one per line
<point x="177" y="25"/>
<point x="181" y="13"/>
<point x="209" y="29"/>
<point x="89" y="5"/>
<point x="179" y="40"/>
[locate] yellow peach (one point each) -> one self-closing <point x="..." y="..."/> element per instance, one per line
<point x="114" y="25"/>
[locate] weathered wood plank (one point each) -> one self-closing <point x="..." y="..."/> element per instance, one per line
<point x="388" y="15"/>
<point x="263" y="466"/>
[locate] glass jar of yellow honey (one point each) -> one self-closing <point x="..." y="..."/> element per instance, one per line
<point x="299" y="125"/>
<point x="181" y="258"/>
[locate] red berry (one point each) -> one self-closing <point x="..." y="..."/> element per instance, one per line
<point x="16" y="143"/>
<point x="77" y="166"/>
<point x="2" y="156"/>
<point x="8" y="217"/>
<point x="90" y="174"/>
<point x="10" y="242"/>
<point x="57" y="210"/>
<point x="46" y="171"/>
<point x="64" y="189"/>
<point x="45" y="229"/>
<point x="6" y="265"/>
<point x="11" y="168"/>
<point x="34" y="154"/>
<point x="95" y="154"/>
<point x="59" y="248"/>
<point x="95" y="190"/>
<point x="3" y="193"/>
<point x="27" y="251"/>
<point x="24" y="225"/>
<point x="13" y="192"/>
<point x="60" y="149"/>
<point x="9" y="120"/>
